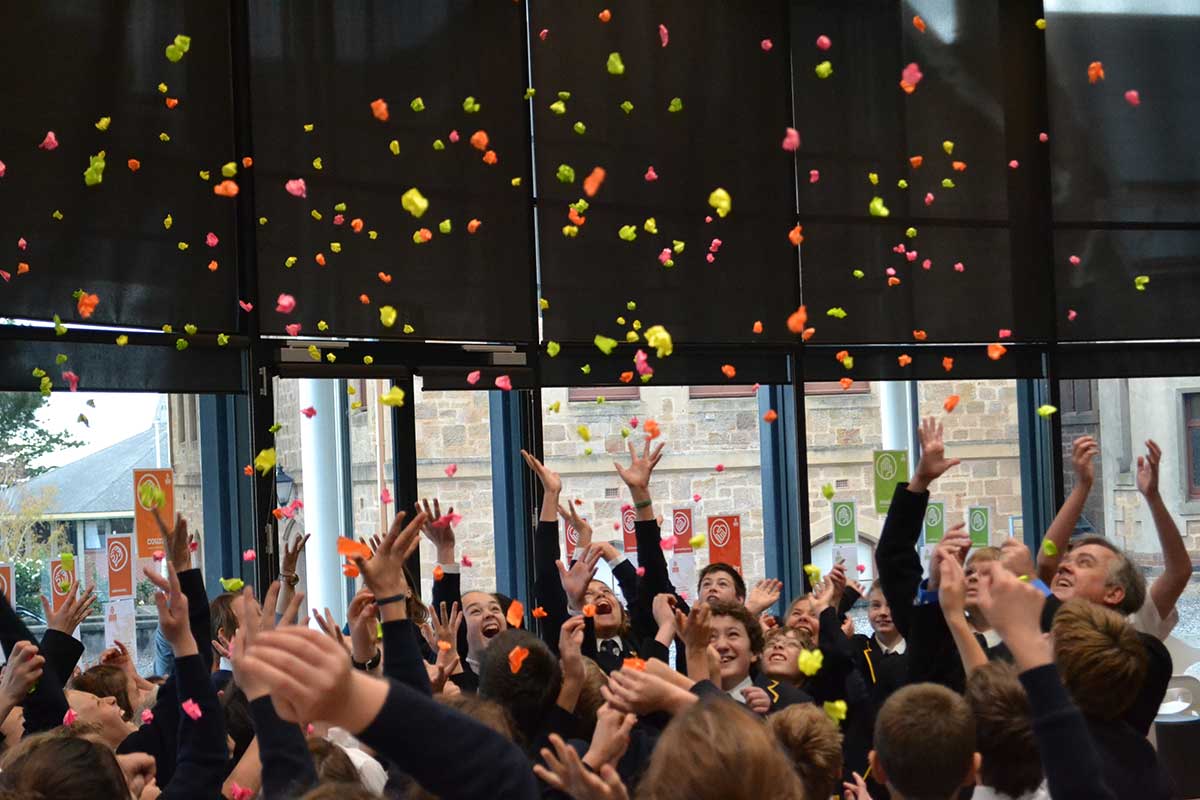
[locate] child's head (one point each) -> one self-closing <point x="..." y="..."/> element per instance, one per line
<point x="801" y="615"/>
<point x="1003" y="730"/>
<point x="879" y="614"/>
<point x="925" y="743"/>
<point x="62" y="766"/>
<point x="738" y="638"/>
<point x="105" y="680"/>
<point x="1096" y="649"/>
<point x="483" y="619"/>
<point x="781" y="653"/>
<point x="719" y="581"/>
<point x="717" y="749"/>
<point x="610" y="617"/>
<point x="331" y="762"/>
<point x="815" y="745"/>
<point x="531" y="690"/>
<point x="224" y="619"/>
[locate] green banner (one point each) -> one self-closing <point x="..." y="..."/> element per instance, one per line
<point x="845" y="522"/>
<point x="935" y="522"/>
<point x="891" y="467"/>
<point x="979" y="525"/>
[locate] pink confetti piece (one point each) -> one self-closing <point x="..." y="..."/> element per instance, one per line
<point x="247" y="307"/>
<point x="633" y="422"/>
<point x="861" y="568"/>
<point x="543" y="33"/>
<point x="339" y="219"/>
<point x="710" y="258"/>
<point x="958" y="267"/>
<point x="911" y="255"/>
<point x="791" y="140"/>
<point x="708" y="219"/>
<point x="70" y="717"/>
<point x="249" y="555"/>
<point x="159" y="555"/>
<point x="929" y="198"/>
<point x="616" y="526"/>
<point x="285" y="304"/>
<point x="1043" y="137"/>
<point x="1071" y="315"/>
<point x="50" y="142"/>
<point x="147" y="716"/>
<point x="1004" y="333"/>
<point x="72" y="380"/>
<point x="296" y="187"/>
<point x="504" y="383"/>
<point x="309" y="412"/>
<point x="447" y="521"/>
<point x="237" y="792"/>
<point x="473" y="377"/>
<point x="293" y="329"/>
<point x="1074" y="261"/>
<point x="1133" y="98"/>
<point x="911" y="76"/>
<point x="1014" y="164"/>
<point x="651" y="175"/>
<point x="715" y="245"/>
<point x="823" y="42"/>
<point x="663" y="34"/>
<point x="766" y="45"/>
<point x="814" y="175"/>
<point x="667" y="544"/>
<point x="193" y="546"/>
<point x="450" y="470"/>
<point x="695" y="498"/>
<point x="640" y="571"/>
<point x="641" y="362"/>
<point x="3" y="169"/>
<point x="7" y="276"/>
<point x="385" y="496"/>
<point x="453" y="137"/>
<point x="466" y="562"/>
<point x="890" y="272"/>
<point x="664" y="256"/>
<point x="21" y="243"/>
<point x="211" y="239"/>
<point x="927" y="263"/>
<point x="191" y="708"/>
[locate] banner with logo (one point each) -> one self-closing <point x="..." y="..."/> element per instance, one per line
<point x="935" y="522"/>
<point x="979" y="525"/>
<point x="119" y="620"/>
<point x="845" y="534"/>
<point x="6" y="583"/>
<point x="60" y="583"/>
<point x="890" y="468"/>
<point x="725" y="540"/>
<point x="149" y="537"/>
<point x="628" y="517"/>
<point x="572" y="541"/>
<point x="120" y="566"/>
<point x="682" y="562"/>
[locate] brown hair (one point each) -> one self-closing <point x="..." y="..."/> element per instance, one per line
<point x="480" y="709"/>
<point x="729" y="753"/>
<point x="105" y="680"/>
<point x="224" y="620"/>
<point x="815" y="745"/>
<point x="331" y="762"/>
<point x="1121" y="573"/>
<point x="1096" y="649"/>
<point x="982" y="555"/>
<point x="1003" y="729"/>
<point x="590" y="699"/>
<point x="805" y="638"/>
<point x="739" y="583"/>
<point x="741" y="614"/>
<point x="340" y="791"/>
<point x="61" y="766"/>
<point x="909" y="720"/>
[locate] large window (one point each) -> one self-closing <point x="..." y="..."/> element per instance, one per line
<point x="1192" y="417"/>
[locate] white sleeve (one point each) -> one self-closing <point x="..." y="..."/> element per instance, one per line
<point x="1147" y="620"/>
<point x="453" y="569"/>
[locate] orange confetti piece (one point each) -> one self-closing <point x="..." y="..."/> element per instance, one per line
<point x="627" y="377"/>
<point x="86" y="304"/>
<point x="920" y="335"/>
<point x="893" y="281"/>
<point x="951" y="403"/>
<point x="226" y="189"/>
<point x="758" y="328"/>
<point x="277" y="513"/>
<point x="916" y="161"/>
<point x="996" y="351"/>
<point x="575" y="217"/>
<point x="808" y="334"/>
<point x="171" y="102"/>
<point x="443" y="646"/>
<point x="846" y="383"/>
<point x="248" y="470"/>
<point x="795" y="235"/>
<point x="1095" y="72"/>
<point x="516" y="657"/>
<point x="247" y="162"/>
<point x="438" y="573"/>
<point x="651" y="428"/>
<point x="516" y="613"/>
<point x="589" y="610"/>
<point x="770" y="416"/>
<point x="904" y="359"/>
<point x="479" y="140"/>
<point x="842" y="355"/>
<point x="350" y="570"/>
<point x="728" y="371"/>
<point x="919" y="23"/>
<point x="364" y="299"/>
<point x="540" y="613"/>
<point x="592" y="183"/>
<point x="379" y="109"/>
<point x="490" y="157"/>
<point x="133" y="164"/>
<point x="959" y="166"/>
<point x="320" y="259"/>
<point x="212" y="266"/>
<point x="473" y="225"/>
<point x="348" y="547"/>
<point x="22" y="268"/>
<point x="425" y="234"/>
<point x="797" y="320"/>
<point x="947" y="363"/>
<point x="634" y="663"/>
<point x="383" y="276"/>
<point x="605" y="15"/>
<point x="356" y="225"/>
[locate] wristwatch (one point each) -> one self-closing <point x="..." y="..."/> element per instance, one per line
<point x="371" y="663"/>
<point x="290" y="578"/>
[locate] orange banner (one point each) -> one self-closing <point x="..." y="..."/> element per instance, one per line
<point x="145" y="528"/>
<point x="572" y="541"/>
<point x="6" y="583"/>
<point x="120" y="566"/>
<point x="725" y="540"/>
<point x="60" y="583"/>
<point x="628" y="517"/>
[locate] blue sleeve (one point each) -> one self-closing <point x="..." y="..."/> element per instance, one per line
<point x="202" y="753"/>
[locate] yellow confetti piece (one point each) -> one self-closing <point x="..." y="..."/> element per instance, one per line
<point x="229" y="169"/>
<point x="317" y="163"/>
<point x="290" y="261"/>
<point x="335" y="247"/>
<point x="414" y="202"/>
<point x="368" y="360"/>
<point x="658" y="338"/>
<point x="122" y="340"/>
<point x="103" y="123"/>
<point x="697" y="541"/>
<point x="205" y="175"/>
<point x="308" y="128"/>
<point x="810" y="662"/>
<point x="314" y="352"/>
<point x="394" y="146"/>
<point x="168" y="222"/>
<point x="387" y="316"/>
<point x="604" y="344"/>
<point x="264" y="462"/>
<point x="1049" y="548"/>
<point x="1047" y="411"/>
<point x="164" y="137"/>
<point x="836" y="710"/>
<point x="584" y="433"/>
<point x="408" y="328"/>
<point x="720" y="200"/>
<point x="315" y="215"/>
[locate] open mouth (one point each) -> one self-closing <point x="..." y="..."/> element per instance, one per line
<point x="711" y="597"/>
<point x="1062" y="582"/>
<point x="603" y="607"/>
<point x="728" y="658"/>
<point x="777" y="657"/>
<point x="490" y="629"/>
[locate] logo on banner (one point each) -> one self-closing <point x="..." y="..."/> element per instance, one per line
<point x="844" y="516"/>
<point x="6" y="579"/>
<point x="725" y="540"/>
<point x="933" y="516"/>
<point x="979" y="524"/>
<point x="978" y="520"/>
<point x="627" y="519"/>
<point x="718" y="533"/>
<point x="118" y="555"/>
<point x="681" y="525"/>
<point x="61" y="578"/>
<point x="120" y="566"/>
<point x="885" y="466"/>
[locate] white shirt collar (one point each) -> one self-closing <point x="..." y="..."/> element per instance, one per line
<point x="225" y="664"/>
<point x="617" y="639"/>
<point x="736" y="692"/>
<point x="992" y="638"/>
<point x="988" y="793"/>
<point x="899" y="648"/>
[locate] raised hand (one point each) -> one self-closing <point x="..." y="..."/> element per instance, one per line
<point x="575" y="580"/>
<point x="177" y="544"/>
<point x="857" y="790"/>
<point x="695" y="628"/>
<point x="22" y="671"/>
<point x="952" y="588"/>
<point x="565" y="771"/>
<point x="830" y="590"/>
<point x="384" y="572"/>
<point x="1016" y="558"/>
<point x="955" y="544"/>
<point x="764" y="595"/>
<point x="551" y="482"/>
<point x="74" y="610"/>
<point x="173" y="611"/>
<point x="328" y="626"/>
<point x="252" y="622"/>
<point x="1083" y="456"/>
<point x="637" y="474"/>
<point x="933" y="463"/>
<point x="611" y="739"/>
<point x="570" y="644"/>
<point x="362" y="617"/>
<point x="583" y="528"/>
<point x="663" y="610"/>
<point x="1014" y="608"/>
<point x="1147" y="470"/>
<point x="757" y="699"/>
<point x="291" y="554"/>
<point x="438" y="530"/>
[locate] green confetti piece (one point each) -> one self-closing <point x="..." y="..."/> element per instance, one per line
<point x="190" y="329"/>
<point x="615" y="65"/>
<point x="824" y="70"/>
<point x="675" y="106"/>
<point x="579" y="128"/>
<point x="628" y="232"/>
<point x="1049" y="548"/>
<point x="558" y="107"/>
<point x="604" y="344"/>
<point x="444" y="226"/>
<point x="222" y="339"/>
<point x="836" y="312"/>
<point x="181" y="344"/>
<point x="627" y="107"/>
<point x="553" y="348"/>
<point x="877" y="208"/>
<point x="911" y="233"/>
<point x="565" y="173"/>
<point x="417" y="104"/>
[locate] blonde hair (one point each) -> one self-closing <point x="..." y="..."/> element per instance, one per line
<point x="815" y="744"/>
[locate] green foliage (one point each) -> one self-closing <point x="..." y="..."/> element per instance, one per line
<point x="27" y="574"/>
<point x="24" y="439"/>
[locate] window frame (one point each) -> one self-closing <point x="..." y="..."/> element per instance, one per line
<point x="1191" y="421"/>
<point x="611" y="394"/>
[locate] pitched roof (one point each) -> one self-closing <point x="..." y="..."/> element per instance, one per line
<point x="101" y="483"/>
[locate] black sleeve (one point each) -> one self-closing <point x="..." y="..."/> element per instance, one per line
<point x="589" y="648"/>
<point x="652" y="648"/>
<point x="62" y="651"/>
<point x="449" y="591"/>
<point x="191" y="583"/>
<point x="447" y="752"/>
<point x="46" y="705"/>
<point x="836" y="660"/>
<point x="547" y="586"/>
<point x="287" y="768"/>
<point x="1069" y="758"/>
<point x="896" y="555"/>
<point x="932" y="655"/>
<point x="655" y="579"/>
<point x="200" y="764"/>
<point x="159" y="736"/>
<point x="627" y="579"/>
<point x="402" y="655"/>
<point x="849" y="598"/>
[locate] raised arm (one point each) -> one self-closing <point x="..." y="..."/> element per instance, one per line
<point x="656" y="577"/>
<point x="59" y="645"/>
<point x="952" y="597"/>
<point x="1083" y="453"/>
<point x="46" y="705"/>
<point x="1177" y="562"/>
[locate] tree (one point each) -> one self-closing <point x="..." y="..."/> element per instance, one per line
<point x="24" y="439"/>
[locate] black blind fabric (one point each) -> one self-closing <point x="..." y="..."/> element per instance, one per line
<point x="735" y="110"/>
<point x="64" y="66"/>
<point x="322" y="64"/>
